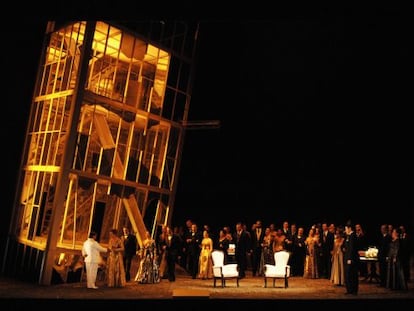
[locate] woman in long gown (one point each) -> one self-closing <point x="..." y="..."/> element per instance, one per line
<point x="338" y="269"/>
<point x="266" y="256"/>
<point x="115" y="262"/>
<point x="311" y="260"/>
<point x="395" y="273"/>
<point x="148" y="271"/>
<point x="205" y="270"/>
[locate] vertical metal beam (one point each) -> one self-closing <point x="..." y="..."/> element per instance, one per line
<point x="20" y="179"/>
<point x="171" y="199"/>
<point x="63" y="179"/>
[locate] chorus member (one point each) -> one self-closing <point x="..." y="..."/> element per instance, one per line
<point x="91" y="250"/>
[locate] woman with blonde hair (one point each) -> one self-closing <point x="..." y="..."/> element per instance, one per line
<point x="148" y="271"/>
<point x="205" y="270"/>
<point x="311" y="261"/>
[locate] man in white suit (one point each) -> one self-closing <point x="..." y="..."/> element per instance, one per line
<point x="91" y="251"/>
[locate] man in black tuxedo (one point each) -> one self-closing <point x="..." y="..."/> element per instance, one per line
<point x="327" y="244"/>
<point x="243" y="247"/>
<point x="130" y="246"/>
<point x="383" y="248"/>
<point x="351" y="260"/>
<point x="257" y="235"/>
<point x="173" y="249"/>
<point x="192" y="244"/>
<point x="298" y="253"/>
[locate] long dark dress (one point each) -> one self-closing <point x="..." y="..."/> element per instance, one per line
<point x="395" y="272"/>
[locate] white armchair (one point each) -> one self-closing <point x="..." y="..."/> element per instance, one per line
<point x="223" y="271"/>
<point x="280" y="270"/>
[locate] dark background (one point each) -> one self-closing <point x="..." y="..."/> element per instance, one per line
<point x="315" y="114"/>
<point x="316" y="122"/>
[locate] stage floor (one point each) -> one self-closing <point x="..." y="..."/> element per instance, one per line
<point x="201" y="293"/>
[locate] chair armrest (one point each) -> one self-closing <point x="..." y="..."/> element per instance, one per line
<point x="217" y="271"/>
<point x="269" y="269"/>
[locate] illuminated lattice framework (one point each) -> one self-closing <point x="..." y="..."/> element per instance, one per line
<point x="115" y="121"/>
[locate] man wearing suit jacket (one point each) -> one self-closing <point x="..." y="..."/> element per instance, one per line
<point x="130" y="246"/>
<point x="257" y="235"/>
<point x="383" y="248"/>
<point x="298" y="253"/>
<point x="327" y="244"/>
<point x="192" y="245"/>
<point x="91" y="250"/>
<point x="173" y="249"/>
<point x="243" y="247"/>
<point x="351" y="260"/>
